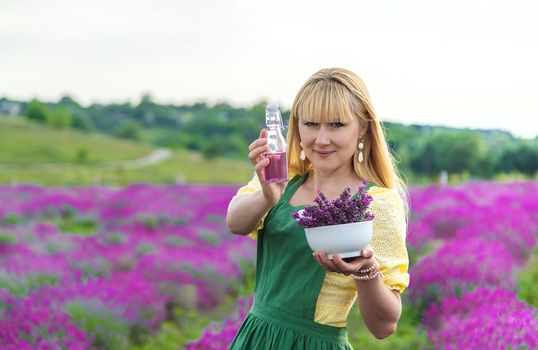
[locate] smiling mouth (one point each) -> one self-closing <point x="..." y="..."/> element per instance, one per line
<point x="324" y="153"/>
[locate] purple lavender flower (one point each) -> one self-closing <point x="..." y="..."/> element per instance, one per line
<point x="219" y="336"/>
<point x="343" y="210"/>
<point x="153" y="248"/>
<point x="483" y="319"/>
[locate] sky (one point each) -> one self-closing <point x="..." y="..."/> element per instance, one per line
<point x="465" y="64"/>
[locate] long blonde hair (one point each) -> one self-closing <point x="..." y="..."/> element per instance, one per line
<point x="337" y="94"/>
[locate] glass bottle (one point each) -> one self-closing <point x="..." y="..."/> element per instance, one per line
<point x="277" y="170"/>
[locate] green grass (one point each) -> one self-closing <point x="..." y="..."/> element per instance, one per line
<point x="527" y="281"/>
<point x="109" y="330"/>
<point x="193" y="167"/>
<point x="23" y="142"/>
<point x="159" y="136"/>
<point x="183" y="166"/>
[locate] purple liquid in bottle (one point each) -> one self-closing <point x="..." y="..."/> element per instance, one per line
<point x="277" y="170"/>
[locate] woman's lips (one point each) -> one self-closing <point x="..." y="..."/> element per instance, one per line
<point x="324" y="154"/>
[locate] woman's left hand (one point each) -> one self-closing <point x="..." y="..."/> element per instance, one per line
<point x="336" y="264"/>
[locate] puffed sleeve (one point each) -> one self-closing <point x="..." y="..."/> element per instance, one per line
<point x="388" y="240"/>
<point x="252" y="186"/>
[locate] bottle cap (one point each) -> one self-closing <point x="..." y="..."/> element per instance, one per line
<point x="272" y="116"/>
<point x="272" y="107"/>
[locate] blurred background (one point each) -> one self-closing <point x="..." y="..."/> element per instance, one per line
<point x="124" y="130"/>
<point x="455" y="84"/>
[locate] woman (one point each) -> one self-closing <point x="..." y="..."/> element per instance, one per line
<point x="302" y="300"/>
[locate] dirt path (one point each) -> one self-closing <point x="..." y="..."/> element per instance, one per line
<point x="156" y="156"/>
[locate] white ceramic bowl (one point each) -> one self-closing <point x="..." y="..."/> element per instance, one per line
<point x="346" y="240"/>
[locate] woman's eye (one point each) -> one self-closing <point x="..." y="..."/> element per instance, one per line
<point x="337" y="125"/>
<point x="310" y="124"/>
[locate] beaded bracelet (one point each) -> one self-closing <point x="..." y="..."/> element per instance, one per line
<point x="373" y="272"/>
<point x="367" y="277"/>
<point x="371" y="268"/>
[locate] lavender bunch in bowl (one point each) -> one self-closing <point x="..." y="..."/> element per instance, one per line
<point x="342" y="210"/>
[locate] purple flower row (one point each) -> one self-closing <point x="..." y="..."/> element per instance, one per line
<point x="154" y="248"/>
<point x="483" y="319"/>
<point x="481" y="235"/>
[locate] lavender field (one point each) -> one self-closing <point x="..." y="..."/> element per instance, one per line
<point x="154" y="267"/>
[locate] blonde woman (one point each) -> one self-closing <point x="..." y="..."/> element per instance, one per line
<point x="302" y="300"/>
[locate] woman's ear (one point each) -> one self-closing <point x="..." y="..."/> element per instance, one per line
<point x="363" y="128"/>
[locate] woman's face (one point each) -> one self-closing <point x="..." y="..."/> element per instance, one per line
<point x="330" y="146"/>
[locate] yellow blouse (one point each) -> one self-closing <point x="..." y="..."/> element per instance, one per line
<point x="338" y="292"/>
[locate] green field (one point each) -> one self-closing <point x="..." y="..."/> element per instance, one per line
<point x="23" y="142"/>
<point x="51" y="157"/>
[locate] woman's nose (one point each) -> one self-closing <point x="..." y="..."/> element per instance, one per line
<point x="322" y="138"/>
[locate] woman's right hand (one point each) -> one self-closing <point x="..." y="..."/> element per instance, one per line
<point x="271" y="191"/>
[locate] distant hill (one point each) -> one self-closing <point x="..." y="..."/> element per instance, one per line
<point x="222" y="131"/>
<point x="426" y="130"/>
<point x="23" y="141"/>
<point x="33" y="153"/>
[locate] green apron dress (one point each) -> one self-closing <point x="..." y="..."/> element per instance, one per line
<point x="288" y="282"/>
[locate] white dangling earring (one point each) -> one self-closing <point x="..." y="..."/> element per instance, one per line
<point x="361" y="156"/>
<point x="302" y="156"/>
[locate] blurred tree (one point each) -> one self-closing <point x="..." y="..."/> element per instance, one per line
<point x="486" y="165"/>
<point x="82" y="121"/>
<point x="68" y="102"/>
<point x="458" y="152"/>
<point x="212" y="149"/>
<point x="454" y="152"/>
<point x="60" y="118"/>
<point x="37" y="111"/>
<point x="129" y="130"/>
<point x="522" y="157"/>
<point x="147" y="98"/>
<point x="424" y="160"/>
<point x="224" y="145"/>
